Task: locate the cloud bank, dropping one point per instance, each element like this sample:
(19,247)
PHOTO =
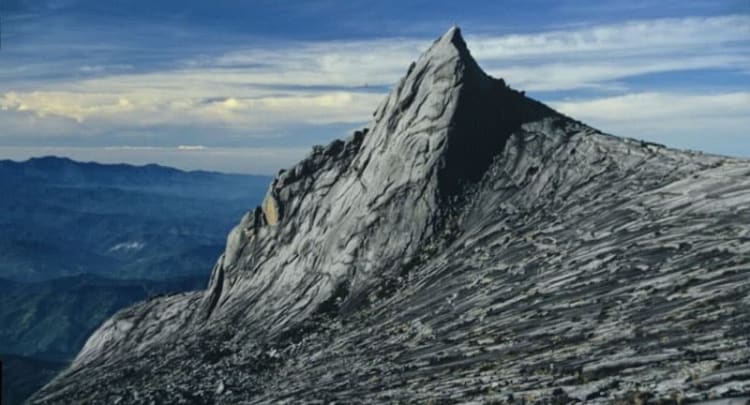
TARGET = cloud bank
(588,72)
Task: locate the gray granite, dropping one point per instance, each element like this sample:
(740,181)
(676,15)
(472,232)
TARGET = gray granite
(472,246)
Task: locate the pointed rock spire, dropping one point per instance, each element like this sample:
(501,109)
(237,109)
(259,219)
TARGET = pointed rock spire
(451,39)
(434,134)
(447,101)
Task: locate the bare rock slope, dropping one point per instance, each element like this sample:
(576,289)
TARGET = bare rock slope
(473,246)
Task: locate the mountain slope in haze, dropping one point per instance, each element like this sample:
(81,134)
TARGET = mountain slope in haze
(52,319)
(60,218)
(473,246)
(47,322)
(79,241)
(22,376)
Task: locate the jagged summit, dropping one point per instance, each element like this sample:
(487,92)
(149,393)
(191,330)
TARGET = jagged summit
(473,245)
(448,46)
(453,34)
(434,135)
(452,48)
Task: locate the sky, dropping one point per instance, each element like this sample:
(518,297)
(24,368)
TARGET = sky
(250,86)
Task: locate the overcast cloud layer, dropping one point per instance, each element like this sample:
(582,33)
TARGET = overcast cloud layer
(247,103)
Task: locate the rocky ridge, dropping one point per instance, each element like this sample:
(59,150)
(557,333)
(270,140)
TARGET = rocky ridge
(473,246)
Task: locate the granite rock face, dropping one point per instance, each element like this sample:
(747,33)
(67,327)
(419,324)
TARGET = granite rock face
(472,246)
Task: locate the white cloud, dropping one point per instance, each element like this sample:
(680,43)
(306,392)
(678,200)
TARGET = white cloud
(143,106)
(605,73)
(649,37)
(597,56)
(658,107)
(577,57)
(272,86)
(711,122)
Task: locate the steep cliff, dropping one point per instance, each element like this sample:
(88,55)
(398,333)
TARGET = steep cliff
(472,245)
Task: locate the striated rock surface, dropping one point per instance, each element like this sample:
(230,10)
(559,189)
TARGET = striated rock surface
(472,246)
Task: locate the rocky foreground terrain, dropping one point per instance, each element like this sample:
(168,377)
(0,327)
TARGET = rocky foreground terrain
(472,246)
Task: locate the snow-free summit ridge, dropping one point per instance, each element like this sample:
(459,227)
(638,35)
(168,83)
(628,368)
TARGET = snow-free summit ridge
(473,245)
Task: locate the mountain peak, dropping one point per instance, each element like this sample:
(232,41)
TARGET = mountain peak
(453,36)
(446,99)
(450,48)
(433,137)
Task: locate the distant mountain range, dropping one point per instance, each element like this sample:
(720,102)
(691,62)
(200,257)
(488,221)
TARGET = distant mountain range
(79,241)
(60,218)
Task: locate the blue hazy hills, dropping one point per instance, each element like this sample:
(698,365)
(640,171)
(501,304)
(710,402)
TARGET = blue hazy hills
(60,218)
(79,241)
